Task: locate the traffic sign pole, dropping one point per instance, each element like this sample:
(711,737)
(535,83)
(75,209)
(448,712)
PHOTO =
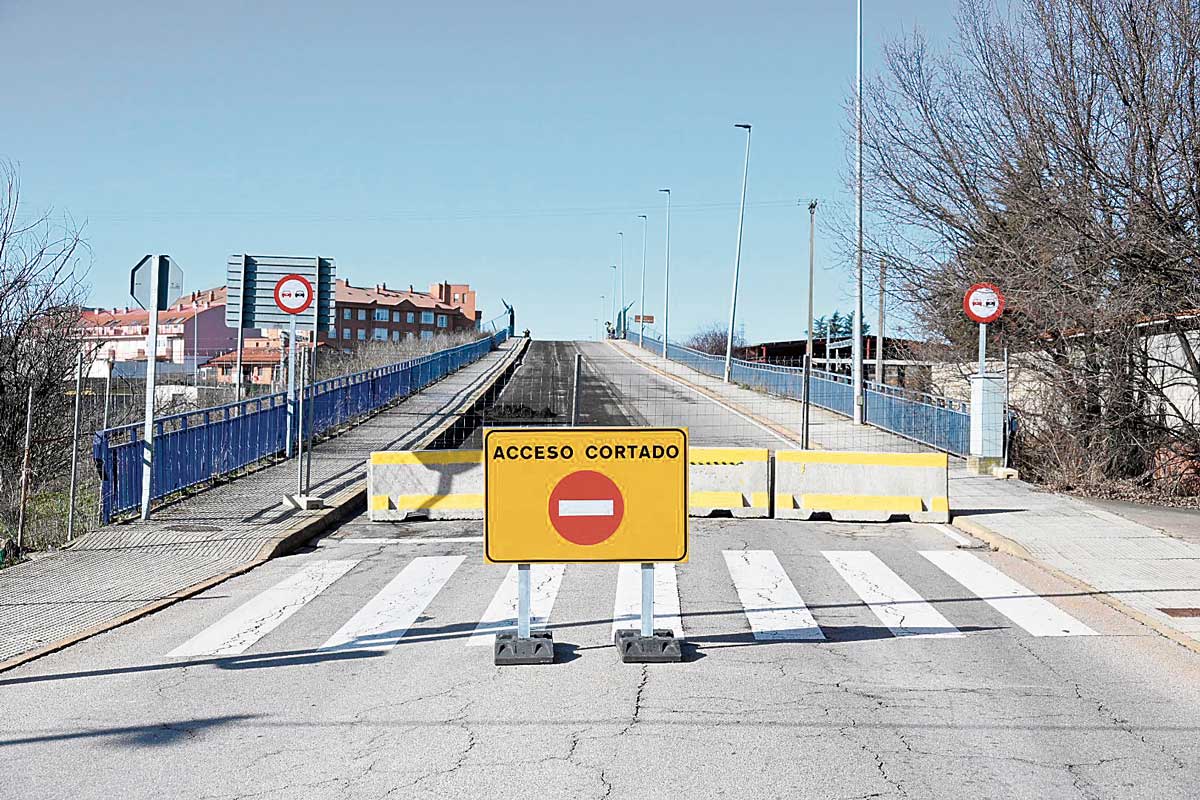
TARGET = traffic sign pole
(151,369)
(291,390)
(648,600)
(982,347)
(524,601)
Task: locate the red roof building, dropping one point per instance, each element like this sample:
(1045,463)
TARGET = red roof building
(381,314)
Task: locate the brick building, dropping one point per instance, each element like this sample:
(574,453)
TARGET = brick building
(381,314)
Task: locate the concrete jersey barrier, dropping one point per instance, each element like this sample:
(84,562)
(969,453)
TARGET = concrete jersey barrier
(862,487)
(732,479)
(430,484)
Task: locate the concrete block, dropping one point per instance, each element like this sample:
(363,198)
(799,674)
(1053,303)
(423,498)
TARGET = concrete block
(427,484)
(512,651)
(730,479)
(862,487)
(661,648)
(1005,473)
(304,502)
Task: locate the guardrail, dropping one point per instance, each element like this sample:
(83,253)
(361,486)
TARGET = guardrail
(939,422)
(198,447)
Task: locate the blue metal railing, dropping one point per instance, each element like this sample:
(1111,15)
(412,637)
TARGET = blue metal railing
(197,447)
(939,422)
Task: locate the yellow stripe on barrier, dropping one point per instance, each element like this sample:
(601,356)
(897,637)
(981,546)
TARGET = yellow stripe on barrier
(726,455)
(716,500)
(428,457)
(868,459)
(379,502)
(939,504)
(457,502)
(784,500)
(760,499)
(897,504)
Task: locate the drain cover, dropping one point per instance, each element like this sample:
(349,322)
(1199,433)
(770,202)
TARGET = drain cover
(195,528)
(1181,612)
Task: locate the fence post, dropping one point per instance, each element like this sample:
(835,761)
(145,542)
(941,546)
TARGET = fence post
(25,474)
(804,410)
(74,447)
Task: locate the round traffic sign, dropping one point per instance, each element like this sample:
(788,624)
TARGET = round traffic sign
(984,303)
(586,507)
(293,294)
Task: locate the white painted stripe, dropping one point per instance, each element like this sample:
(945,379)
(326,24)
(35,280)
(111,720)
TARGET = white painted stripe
(773,607)
(954,535)
(387,616)
(585,508)
(627,610)
(894,602)
(429,540)
(1033,613)
(501,614)
(264,612)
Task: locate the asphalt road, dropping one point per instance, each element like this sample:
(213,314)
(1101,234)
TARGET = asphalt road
(414,711)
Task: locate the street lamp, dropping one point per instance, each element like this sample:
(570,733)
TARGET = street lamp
(812,224)
(667,273)
(856,371)
(642,298)
(621,261)
(737,258)
(602,299)
(614,309)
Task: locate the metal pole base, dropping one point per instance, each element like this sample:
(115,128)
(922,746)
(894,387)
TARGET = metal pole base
(661,648)
(511,650)
(304,502)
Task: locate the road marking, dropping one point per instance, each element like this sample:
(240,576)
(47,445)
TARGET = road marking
(263,613)
(627,610)
(954,535)
(773,606)
(585,508)
(387,616)
(430,540)
(894,602)
(1035,614)
(501,614)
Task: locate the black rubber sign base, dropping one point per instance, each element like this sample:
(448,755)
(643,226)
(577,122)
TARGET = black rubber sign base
(537,649)
(661,648)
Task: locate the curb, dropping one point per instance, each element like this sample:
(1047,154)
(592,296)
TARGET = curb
(1003,544)
(350,501)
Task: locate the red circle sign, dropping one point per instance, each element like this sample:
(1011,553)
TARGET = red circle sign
(586,507)
(293,294)
(984,303)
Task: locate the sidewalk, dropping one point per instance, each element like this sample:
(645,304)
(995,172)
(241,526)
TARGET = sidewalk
(1134,567)
(121,572)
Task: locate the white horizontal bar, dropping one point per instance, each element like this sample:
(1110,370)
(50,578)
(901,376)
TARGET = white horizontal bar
(585,508)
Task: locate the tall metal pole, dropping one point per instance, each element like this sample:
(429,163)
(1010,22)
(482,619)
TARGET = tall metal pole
(737,258)
(642,298)
(614,302)
(300,418)
(812,225)
(241,333)
(602,304)
(291,387)
(151,369)
(879,340)
(575,390)
(75,446)
(621,261)
(25,459)
(667,273)
(104,426)
(856,370)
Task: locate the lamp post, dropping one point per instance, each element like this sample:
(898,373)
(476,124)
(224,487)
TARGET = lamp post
(737,258)
(812,224)
(667,273)
(856,370)
(621,271)
(642,292)
(613,267)
(602,298)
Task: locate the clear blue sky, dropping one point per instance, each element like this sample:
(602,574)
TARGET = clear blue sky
(500,144)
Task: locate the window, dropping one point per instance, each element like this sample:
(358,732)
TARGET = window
(346,314)
(395,336)
(395,316)
(346,332)
(456,296)
(362,313)
(426,317)
(362,334)
(426,334)
(381,315)
(409,335)
(410,317)
(379,334)
(443,320)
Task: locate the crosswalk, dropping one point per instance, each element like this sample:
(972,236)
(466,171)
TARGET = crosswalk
(772,608)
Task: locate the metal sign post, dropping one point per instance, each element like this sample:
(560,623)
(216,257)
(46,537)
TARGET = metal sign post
(648,600)
(293,295)
(291,389)
(984,303)
(151,369)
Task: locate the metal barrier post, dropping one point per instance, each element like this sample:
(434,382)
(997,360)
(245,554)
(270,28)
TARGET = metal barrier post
(523,601)
(804,411)
(648,600)
(575,391)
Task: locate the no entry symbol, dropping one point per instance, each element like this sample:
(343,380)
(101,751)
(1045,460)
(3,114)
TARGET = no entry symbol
(586,507)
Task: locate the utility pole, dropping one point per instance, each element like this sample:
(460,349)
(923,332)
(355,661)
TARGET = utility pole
(856,370)
(642,298)
(667,273)
(812,224)
(737,258)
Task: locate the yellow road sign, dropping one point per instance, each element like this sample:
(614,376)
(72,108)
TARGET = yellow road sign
(585,494)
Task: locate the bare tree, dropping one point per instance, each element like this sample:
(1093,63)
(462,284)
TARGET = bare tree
(40,295)
(1055,151)
(711,339)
